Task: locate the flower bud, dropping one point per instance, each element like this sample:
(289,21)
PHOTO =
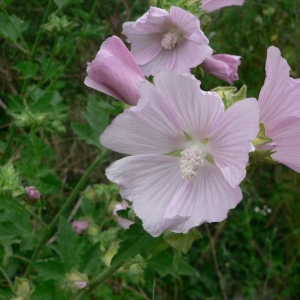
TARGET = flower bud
(22,288)
(80,226)
(222,66)
(76,281)
(115,72)
(33,194)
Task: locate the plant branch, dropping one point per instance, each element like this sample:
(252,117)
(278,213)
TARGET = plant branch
(32,214)
(213,250)
(68,202)
(6,277)
(98,280)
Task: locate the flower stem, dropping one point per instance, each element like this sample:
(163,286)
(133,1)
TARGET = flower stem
(98,280)
(37,42)
(6,277)
(31,214)
(68,202)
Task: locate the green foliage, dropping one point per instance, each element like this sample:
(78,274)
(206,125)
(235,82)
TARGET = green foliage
(98,121)
(11,26)
(138,241)
(69,246)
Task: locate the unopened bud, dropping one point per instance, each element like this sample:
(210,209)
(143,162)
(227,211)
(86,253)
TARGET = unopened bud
(33,194)
(76,281)
(80,226)
(22,288)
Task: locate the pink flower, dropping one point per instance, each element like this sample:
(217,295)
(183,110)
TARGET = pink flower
(123,222)
(115,72)
(223,66)
(211,5)
(33,193)
(279,103)
(167,41)
(188,157)
(80,226)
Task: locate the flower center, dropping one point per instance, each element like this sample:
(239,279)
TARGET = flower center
(191,160)
(169,40)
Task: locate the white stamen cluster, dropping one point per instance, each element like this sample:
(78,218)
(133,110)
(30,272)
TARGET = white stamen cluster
(191,160)
(169,40)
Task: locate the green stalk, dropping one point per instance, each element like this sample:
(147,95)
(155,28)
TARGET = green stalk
(32,214)
(6,277)
(9,141)
(98,280)
(19,34)
(37,42)
(68,202)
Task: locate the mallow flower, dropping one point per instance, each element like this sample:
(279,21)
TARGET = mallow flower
(188,154)
(115,72)
(279,103)
(167,41)
(223,66)
(211,5)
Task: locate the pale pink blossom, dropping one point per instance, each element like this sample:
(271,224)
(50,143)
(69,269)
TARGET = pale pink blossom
(80,226)
(211,5)
(33,194)
(115,72)
(188,153)
(167,41)
(123,222)
(223,66)
(279,103)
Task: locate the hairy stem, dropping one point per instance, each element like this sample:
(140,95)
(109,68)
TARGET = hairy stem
(68,202)
(98,280)
(32,214)
(37,41)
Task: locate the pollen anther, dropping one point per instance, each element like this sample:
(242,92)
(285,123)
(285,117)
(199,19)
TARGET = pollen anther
(169,40)
(191,159)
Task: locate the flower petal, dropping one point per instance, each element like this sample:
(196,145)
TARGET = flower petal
(205,198)
(149,182)
(286,135)
(150,127)
(279,97)
(230,146)
(211,5)
(198,111)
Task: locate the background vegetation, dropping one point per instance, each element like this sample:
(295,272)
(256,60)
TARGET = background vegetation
(48,118)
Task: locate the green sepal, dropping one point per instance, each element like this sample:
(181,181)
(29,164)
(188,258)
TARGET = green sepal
(230,95)
(182,241)
(261,138)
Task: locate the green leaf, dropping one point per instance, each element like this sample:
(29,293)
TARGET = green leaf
(50,269)
(182,241)
(29,69)
(69,246)
(91,260)
(7,30)
(7,2)
(98,121)
(29,241)
(162,263)
(138,241)
(61,3)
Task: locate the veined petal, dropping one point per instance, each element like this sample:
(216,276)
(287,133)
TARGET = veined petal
(150,127)
(211,5)
(286,135)
(163,61)
(149,182)
(279,96)
(192,54)
(198,111)
(144,47)
(206,198)
(230,146)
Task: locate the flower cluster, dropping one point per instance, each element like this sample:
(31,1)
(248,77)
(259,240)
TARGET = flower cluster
(188,152)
